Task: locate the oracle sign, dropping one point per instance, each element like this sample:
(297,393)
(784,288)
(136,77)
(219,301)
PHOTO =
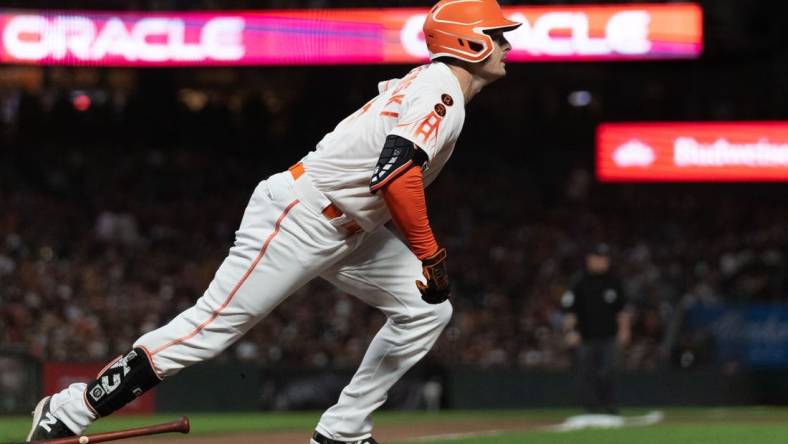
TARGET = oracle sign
(696,152)
(394,35)
(33,37)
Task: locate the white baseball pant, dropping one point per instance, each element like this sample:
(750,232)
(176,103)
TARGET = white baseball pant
(285,241)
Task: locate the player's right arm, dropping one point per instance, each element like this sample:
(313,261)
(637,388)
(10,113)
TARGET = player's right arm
(428,120)
(398,177)
(623,317)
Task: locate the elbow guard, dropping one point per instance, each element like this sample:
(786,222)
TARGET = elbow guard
(397,156)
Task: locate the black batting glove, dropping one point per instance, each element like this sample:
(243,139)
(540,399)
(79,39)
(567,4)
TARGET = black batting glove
(437,288)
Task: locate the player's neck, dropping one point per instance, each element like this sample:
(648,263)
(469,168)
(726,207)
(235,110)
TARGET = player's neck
(469,83)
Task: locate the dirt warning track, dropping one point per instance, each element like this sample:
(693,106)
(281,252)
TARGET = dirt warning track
(386,434)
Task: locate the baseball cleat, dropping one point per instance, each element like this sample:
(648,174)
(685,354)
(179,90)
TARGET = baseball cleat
(318,438)
(45,425)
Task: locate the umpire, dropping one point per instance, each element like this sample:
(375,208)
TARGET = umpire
(596,320)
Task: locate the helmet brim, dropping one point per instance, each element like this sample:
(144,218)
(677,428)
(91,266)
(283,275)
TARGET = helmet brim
(503,24)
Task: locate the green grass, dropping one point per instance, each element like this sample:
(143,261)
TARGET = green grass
(664,434)
(745,425)
(741,425)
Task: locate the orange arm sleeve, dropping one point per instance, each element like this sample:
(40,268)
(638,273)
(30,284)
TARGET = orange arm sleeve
(404,197)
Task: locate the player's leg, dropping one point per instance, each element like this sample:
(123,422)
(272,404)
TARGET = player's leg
(279,247)
(597,373)
(605,383)
(586,376)
(382,272)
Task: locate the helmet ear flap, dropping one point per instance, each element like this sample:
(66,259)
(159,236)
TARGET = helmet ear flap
(475,46)
(472,45)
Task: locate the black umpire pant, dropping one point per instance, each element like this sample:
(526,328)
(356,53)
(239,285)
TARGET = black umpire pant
(595,375)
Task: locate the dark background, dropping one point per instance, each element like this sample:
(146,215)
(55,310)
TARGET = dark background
(114,219)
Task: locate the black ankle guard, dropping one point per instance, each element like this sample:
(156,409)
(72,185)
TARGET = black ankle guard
(125,379)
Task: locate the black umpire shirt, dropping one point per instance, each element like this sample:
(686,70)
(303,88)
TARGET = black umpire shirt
(596,300)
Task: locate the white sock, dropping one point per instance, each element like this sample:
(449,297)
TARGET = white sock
(69,407)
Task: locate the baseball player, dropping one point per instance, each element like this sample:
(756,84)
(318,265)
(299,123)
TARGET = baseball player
(325,217)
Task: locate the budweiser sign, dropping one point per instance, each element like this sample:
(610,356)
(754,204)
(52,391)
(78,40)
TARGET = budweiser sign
(394,35)
(688,152)
(659,152)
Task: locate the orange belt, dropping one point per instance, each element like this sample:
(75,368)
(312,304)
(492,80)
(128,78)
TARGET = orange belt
(330,212)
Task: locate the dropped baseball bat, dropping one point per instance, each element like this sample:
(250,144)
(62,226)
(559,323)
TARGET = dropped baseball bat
(181,425)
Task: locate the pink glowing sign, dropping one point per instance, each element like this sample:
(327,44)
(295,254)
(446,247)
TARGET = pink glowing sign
(292,37)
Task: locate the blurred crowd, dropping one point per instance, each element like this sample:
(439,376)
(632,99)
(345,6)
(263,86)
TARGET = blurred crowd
(112,222)
(81,280)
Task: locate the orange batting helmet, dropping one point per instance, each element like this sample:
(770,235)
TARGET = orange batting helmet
(456,28)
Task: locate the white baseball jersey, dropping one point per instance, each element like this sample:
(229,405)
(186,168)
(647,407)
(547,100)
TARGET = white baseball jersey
(426,107)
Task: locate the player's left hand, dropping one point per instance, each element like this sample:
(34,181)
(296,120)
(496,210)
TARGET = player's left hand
(572,339)
(437,288)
